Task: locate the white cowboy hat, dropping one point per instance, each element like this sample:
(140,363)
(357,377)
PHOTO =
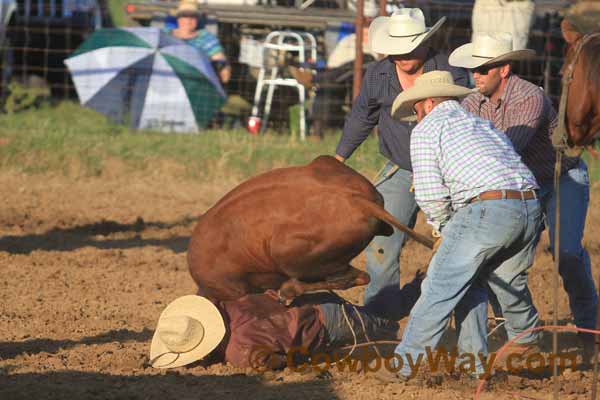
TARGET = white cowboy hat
(188,329)
(401,32)
(488,49)
(431,84)
(187,8)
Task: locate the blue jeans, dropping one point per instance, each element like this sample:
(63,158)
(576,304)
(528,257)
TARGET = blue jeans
(340,334)
(575,266)
(383,253)
(485,243)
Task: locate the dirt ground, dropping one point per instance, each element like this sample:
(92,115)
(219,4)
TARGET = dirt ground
(88,265)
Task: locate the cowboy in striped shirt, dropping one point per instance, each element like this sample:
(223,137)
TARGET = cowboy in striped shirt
(522,110)
(473,187)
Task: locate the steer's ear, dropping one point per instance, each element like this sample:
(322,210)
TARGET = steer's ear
(569,32)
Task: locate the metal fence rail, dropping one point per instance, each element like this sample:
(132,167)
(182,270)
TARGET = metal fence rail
(39,48)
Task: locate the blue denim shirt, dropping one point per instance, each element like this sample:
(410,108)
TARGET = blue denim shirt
(373,105)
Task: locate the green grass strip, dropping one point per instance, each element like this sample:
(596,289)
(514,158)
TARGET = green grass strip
(76,141)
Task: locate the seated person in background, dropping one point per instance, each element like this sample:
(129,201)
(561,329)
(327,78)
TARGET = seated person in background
(258,331)
(187,15)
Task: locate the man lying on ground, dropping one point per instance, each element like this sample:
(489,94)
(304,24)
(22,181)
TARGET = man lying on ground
(258,331)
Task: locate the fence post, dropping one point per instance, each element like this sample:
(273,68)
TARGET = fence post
(358,60)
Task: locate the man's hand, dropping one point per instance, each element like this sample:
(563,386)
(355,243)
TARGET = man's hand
(436,244)
(339,158)
(438,236)
(225,74)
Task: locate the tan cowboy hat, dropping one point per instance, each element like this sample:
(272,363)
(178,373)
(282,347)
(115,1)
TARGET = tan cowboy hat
(488,49)
(400,33)
(187,8)
(431,84)
(188,329)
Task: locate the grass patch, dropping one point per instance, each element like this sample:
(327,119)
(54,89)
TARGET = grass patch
(76,141)
(593,166)
(118,16)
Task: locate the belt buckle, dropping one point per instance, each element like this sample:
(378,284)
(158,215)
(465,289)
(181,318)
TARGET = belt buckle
(503,194)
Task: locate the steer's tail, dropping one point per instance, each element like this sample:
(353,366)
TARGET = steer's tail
(381,214)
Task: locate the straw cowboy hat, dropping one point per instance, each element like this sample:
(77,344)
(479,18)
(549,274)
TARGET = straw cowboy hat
(187,8)
(400,33)
(488,49)
(188,329)
(431,84)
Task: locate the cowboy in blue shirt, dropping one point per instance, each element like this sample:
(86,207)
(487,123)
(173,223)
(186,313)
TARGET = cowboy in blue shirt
(402,37)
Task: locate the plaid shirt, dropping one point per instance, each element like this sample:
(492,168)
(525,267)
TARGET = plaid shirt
(457,156)
(526,115)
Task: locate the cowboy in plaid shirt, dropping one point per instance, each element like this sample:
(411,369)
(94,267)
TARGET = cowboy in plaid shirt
(522,110)
(472,186)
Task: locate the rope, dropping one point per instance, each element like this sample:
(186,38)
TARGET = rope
(364,328)
(372,343)
(559,134)
(595,372)
(497,326)
(355,344)
(555,282)
(351,330)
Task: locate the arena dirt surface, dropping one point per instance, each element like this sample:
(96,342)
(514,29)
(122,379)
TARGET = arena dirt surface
(88,265)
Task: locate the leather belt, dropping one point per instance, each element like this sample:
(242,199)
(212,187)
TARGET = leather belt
(505,194)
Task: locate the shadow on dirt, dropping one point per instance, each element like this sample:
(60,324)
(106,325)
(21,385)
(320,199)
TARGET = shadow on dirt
(69,239)
(12,349)
(171,385)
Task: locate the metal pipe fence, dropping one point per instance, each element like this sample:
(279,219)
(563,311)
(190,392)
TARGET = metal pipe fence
(39,46)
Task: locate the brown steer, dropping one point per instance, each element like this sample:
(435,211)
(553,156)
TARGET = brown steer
(295,229)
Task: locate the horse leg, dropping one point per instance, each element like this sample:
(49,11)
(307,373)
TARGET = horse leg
(349,278)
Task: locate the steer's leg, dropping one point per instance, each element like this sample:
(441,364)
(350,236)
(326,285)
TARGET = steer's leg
(347,279)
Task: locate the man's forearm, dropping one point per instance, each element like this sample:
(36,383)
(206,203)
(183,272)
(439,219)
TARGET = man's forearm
(350,141)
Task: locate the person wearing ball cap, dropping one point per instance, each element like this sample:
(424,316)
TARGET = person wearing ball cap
(258,331)
(405,40)
(525,114)
(474,189)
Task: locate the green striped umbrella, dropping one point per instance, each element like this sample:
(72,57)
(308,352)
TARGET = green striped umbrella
(147,76)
